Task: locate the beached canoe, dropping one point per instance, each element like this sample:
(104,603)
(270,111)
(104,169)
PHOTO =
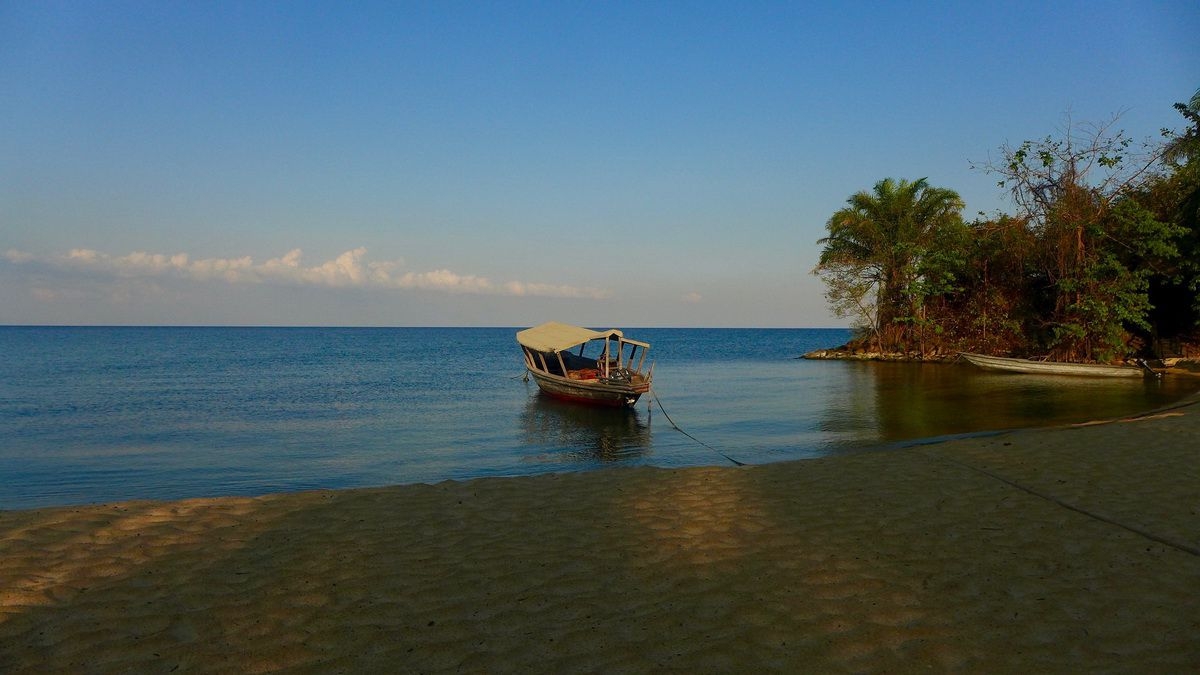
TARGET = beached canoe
(1051,367)
(613,377)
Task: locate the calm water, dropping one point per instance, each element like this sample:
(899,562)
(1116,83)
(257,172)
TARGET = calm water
(104,414)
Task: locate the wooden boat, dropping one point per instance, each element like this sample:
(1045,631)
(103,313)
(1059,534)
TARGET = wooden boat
(1051,367)
(612,377)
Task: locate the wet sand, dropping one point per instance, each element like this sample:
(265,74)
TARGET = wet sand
(1066,550)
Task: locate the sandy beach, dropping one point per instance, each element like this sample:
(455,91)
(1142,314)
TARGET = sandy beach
(1059,550)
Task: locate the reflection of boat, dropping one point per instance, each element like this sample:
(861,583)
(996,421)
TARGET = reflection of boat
(613,377)
(561,431)
(1051,367)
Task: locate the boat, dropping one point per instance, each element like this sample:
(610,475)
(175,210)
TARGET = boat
(1051,367)
(613,376)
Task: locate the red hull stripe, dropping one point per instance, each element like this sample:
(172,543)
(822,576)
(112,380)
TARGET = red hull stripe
(606,403)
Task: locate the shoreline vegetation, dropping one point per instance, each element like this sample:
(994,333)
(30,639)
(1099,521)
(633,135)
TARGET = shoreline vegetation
(858,352)
(1098,263)
(1054,550)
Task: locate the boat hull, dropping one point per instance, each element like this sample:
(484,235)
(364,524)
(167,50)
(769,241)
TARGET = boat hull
(1050,367)
(591,392)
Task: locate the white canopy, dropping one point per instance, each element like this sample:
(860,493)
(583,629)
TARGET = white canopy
(556,337)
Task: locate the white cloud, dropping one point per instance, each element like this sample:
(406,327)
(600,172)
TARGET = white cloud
(693,298)
(445,280)
(348,270)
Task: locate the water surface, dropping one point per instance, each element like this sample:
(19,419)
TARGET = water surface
(104,414)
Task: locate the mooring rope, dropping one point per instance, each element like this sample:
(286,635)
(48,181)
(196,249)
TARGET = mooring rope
(1155,373)
(1142,532)
(654,395)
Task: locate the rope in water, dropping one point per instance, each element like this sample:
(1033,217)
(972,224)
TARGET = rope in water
(654,395)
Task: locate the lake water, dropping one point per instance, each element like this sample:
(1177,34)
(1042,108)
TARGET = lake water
(103,414)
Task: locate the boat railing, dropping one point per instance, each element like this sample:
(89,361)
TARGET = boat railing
(615,363)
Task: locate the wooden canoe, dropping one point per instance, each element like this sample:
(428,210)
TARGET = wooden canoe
(1051,367)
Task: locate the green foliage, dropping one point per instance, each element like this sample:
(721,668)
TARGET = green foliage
(1103,251)
(1095,247)
(881,244)
(1174,198)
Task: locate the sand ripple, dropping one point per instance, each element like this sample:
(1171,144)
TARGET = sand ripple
(1065,550)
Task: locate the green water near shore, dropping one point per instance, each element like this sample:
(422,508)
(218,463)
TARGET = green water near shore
(910,400)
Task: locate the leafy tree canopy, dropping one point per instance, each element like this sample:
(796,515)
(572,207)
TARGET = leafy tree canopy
(1103,250)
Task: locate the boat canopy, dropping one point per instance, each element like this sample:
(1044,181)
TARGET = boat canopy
(553,337)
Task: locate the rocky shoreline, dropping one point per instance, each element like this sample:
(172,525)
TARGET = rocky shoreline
(845,353)
(1171,366)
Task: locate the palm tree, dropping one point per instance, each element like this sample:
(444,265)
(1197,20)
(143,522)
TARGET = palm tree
(1186,147)
(1183,151)
(880,239)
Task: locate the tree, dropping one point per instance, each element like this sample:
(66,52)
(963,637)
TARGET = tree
(883,244)
(1184,155)
(1175,198)
(988,309)
(1096,244)
(1185,148)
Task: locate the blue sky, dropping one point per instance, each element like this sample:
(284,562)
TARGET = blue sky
(628,164)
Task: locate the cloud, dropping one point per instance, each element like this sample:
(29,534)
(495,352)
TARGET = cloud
(351,269)
(693,298)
